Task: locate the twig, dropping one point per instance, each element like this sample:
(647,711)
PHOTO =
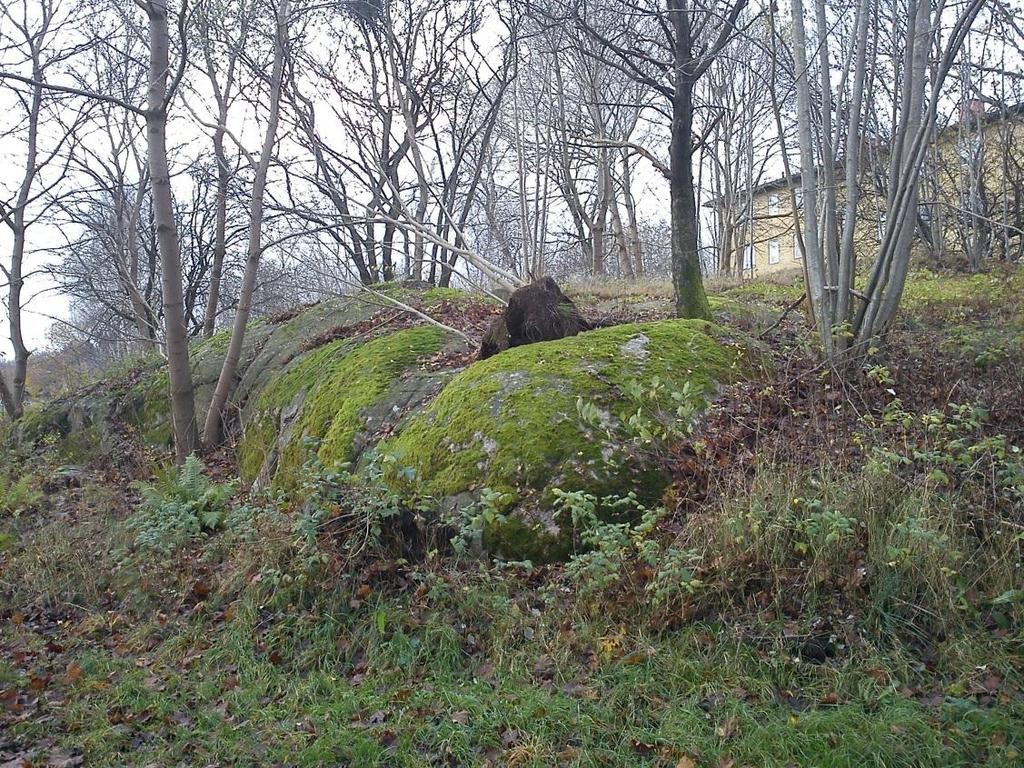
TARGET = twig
(421,315)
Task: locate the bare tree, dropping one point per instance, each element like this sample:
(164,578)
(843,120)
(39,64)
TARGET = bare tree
(668,47)
(222,34)
(845,325)
(31,36)
(213,429)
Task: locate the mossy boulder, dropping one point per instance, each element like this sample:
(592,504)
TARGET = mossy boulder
(337,399)
(512,423)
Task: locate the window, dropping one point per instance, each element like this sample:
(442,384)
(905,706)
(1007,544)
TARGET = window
(798,252)
(881,227)
(773,205)
(774,256)
(799,194)
(748,258)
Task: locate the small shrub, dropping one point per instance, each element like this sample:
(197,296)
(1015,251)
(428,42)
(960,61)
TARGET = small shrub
(339,520)
(180,507)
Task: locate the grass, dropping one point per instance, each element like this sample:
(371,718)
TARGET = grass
(484,671)
(241,649)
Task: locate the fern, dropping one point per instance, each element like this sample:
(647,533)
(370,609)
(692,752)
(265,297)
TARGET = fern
(180,507)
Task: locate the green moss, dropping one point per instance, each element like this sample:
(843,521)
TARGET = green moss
(341,382)
(510,422)
(42,422)
(332,411)
(216,345)
(147,407)
(261,429)
(437,295)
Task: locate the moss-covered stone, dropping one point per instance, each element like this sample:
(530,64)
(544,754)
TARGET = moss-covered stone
(329,397)
(511,423)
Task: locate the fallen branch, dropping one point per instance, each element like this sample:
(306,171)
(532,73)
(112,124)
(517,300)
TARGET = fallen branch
(412,310)
(783,316)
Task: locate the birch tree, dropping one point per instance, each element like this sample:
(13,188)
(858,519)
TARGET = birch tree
(162,87)
(850,320)
(46,127)
(222,34)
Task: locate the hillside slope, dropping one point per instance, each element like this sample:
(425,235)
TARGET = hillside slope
(786,568)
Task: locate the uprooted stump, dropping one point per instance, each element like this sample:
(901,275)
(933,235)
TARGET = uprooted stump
(536,312)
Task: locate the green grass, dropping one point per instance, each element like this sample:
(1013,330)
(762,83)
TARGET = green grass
(479,673)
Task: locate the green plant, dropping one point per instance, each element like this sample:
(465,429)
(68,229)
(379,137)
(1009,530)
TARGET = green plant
(820,527)
(951,450)
(180,506)
(340,517)
(472,521)
(652,413)
(19,496)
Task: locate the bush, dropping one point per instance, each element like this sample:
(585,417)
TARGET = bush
(180,507)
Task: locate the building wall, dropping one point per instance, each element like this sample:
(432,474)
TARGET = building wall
(772,246)
(775,246)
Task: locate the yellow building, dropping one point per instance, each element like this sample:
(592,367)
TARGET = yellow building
(971,204)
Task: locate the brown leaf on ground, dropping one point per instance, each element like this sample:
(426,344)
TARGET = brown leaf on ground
(510,737)
(73,673)
(728,729)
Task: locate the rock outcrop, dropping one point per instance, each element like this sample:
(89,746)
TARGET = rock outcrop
(349,377)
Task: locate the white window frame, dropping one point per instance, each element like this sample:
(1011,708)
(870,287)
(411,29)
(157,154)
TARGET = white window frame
(774,252)
(798,253)
(773,205)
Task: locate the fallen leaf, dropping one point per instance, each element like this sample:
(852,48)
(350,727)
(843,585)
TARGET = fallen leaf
(74,673)
(39,682)
(728,729)
(201,589)
(686,762)
(510,737)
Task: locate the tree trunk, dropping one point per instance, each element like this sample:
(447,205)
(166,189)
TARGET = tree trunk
(635,246)
(186,435)
(13,394)
(213,429)
(813,262)
(687,281)
(220,229)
